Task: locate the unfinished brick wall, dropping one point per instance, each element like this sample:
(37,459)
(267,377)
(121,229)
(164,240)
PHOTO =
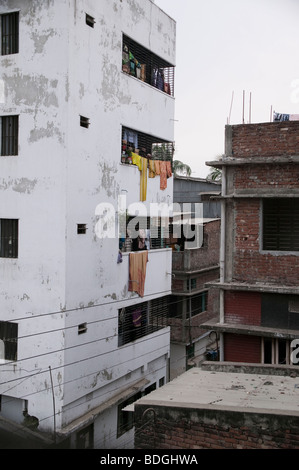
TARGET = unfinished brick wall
(266,139)
(243,308)
(250,263)
(178,428)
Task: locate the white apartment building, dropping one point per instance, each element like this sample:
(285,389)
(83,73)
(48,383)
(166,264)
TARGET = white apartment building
(86,98)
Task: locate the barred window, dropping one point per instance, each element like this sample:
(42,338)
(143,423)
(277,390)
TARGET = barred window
(9,129)
(10,33)
(144,233)
(9,238)
(141,319)
(9,337)
(141,63)
(144,145)
(281,224)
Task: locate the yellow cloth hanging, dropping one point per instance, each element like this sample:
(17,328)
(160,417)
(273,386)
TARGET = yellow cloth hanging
(143,179)
(151,169)
(136,160)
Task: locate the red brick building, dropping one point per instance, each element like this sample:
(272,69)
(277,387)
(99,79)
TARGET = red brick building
(259,254)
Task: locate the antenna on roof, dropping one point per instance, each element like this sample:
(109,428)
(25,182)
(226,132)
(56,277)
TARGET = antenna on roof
(250,108)
(230,110)
(243,106)
(271,113)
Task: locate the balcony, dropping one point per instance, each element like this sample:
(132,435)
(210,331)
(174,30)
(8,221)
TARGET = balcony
(146,66)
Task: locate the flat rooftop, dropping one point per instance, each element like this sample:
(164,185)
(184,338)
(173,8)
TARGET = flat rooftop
(235,391)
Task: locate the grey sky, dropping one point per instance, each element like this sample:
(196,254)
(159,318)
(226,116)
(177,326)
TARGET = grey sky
(225,47)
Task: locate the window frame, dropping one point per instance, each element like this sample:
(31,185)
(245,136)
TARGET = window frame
(145,65)
(9,336)
(267,219)
(9,135)
(13,238)
(12,43)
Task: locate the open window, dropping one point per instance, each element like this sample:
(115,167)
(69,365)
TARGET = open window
(143,64)
(9,33)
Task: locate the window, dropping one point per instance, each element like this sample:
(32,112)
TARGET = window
(90,21)
(281,224)
(191,284)
(84,438)
(84,122)
(144,145)
(146,66)
(82,328)
(140,320)
(8,338)
(144,234)
(9,127)
(81,228)
(10,33)
(276,351)
(125,419)
(9,238)
(279,311)
(199,303)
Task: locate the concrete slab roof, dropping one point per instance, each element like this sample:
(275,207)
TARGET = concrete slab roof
(238,391)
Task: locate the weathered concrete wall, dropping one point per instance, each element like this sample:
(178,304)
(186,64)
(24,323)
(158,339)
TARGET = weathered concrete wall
(62,172)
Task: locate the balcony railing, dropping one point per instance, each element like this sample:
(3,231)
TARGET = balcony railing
(145,145)
(141,63)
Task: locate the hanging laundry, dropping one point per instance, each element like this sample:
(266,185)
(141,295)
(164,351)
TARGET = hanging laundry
(294,117)
(281,117)
(137,317)
(163,175)
(131,136)
(137,272)
(136,160)
(157,167)
(143,179)
(151,169)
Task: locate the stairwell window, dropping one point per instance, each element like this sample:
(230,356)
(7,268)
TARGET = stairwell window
(9,130)
(9,33)
(9,235)
(281,224)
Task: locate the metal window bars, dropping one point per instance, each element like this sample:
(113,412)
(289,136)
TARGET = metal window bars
(9,126)
(143,64)
(144,145)
(9,238)
(10,33)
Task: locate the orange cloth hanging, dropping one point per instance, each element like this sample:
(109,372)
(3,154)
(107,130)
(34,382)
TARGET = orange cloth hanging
(157,167)
(163,175)
(137,271)
(151,169)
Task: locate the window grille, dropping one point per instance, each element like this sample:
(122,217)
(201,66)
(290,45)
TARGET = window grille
(144,145)
(9,335)
(9,135)
(140,320)
(9,238)
(143,64)
(154,229)
(199,303)
(10,33)
(281,224)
